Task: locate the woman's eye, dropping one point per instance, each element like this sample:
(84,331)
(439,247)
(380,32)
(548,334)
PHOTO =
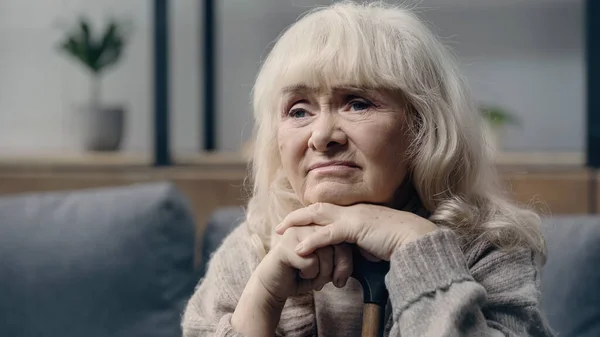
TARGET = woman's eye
(297,113)
(359,105)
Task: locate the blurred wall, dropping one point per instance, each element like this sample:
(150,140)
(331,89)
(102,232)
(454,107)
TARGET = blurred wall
(40,88)
(530,60)
(525,55)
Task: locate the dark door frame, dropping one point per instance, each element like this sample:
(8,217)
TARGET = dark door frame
(162,155)
(208,51)
(592,30)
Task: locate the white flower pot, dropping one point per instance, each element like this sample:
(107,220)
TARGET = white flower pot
(102,127)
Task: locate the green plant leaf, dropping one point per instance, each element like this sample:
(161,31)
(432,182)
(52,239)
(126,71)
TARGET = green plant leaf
(497,117)
(87,44)
(110,47)
(71,47)
(96,55)
(75,49)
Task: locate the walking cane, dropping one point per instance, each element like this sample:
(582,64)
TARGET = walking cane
(371,276)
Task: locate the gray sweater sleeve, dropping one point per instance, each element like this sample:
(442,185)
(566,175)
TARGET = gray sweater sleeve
(434,293)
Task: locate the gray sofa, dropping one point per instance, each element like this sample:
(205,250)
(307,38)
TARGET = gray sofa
(119,262)
(102,262)
(570,280)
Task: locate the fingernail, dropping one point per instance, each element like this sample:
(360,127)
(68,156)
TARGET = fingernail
(300,247)
(344,281)
(337,282)
(278,227)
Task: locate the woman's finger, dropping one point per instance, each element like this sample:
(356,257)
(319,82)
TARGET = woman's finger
(343,266)
(325,236)
(316,214)
(325,256)
(308,266)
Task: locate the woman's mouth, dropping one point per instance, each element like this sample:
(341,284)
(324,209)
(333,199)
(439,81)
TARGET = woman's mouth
(333,167)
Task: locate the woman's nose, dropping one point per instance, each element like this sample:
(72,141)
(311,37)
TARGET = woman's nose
(326,134)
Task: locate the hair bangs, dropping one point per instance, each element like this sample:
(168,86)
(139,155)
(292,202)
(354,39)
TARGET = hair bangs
(330,50)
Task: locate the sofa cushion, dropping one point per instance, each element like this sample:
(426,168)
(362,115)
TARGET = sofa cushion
(98,262)
(571,277)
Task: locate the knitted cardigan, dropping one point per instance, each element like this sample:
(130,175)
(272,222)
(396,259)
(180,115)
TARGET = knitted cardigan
(435,289)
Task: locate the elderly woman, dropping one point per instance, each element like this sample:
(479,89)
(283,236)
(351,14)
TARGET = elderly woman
(367,139)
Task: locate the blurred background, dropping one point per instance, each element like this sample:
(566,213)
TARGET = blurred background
(114,111)
(161,86)
(524,56)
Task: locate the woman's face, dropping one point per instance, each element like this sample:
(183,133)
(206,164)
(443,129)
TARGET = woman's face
(344,145)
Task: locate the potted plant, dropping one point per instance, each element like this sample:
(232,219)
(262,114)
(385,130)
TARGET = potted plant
(496,120)
(102,124)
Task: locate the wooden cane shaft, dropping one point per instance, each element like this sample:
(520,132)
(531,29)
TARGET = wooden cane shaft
(372,320)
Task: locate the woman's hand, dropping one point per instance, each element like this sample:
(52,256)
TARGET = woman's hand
(284,273)
(378,230)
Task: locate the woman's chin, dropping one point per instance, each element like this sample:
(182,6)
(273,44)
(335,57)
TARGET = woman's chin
(336,197)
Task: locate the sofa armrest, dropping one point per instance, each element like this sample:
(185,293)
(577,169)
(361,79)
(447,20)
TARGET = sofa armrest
(98,262)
